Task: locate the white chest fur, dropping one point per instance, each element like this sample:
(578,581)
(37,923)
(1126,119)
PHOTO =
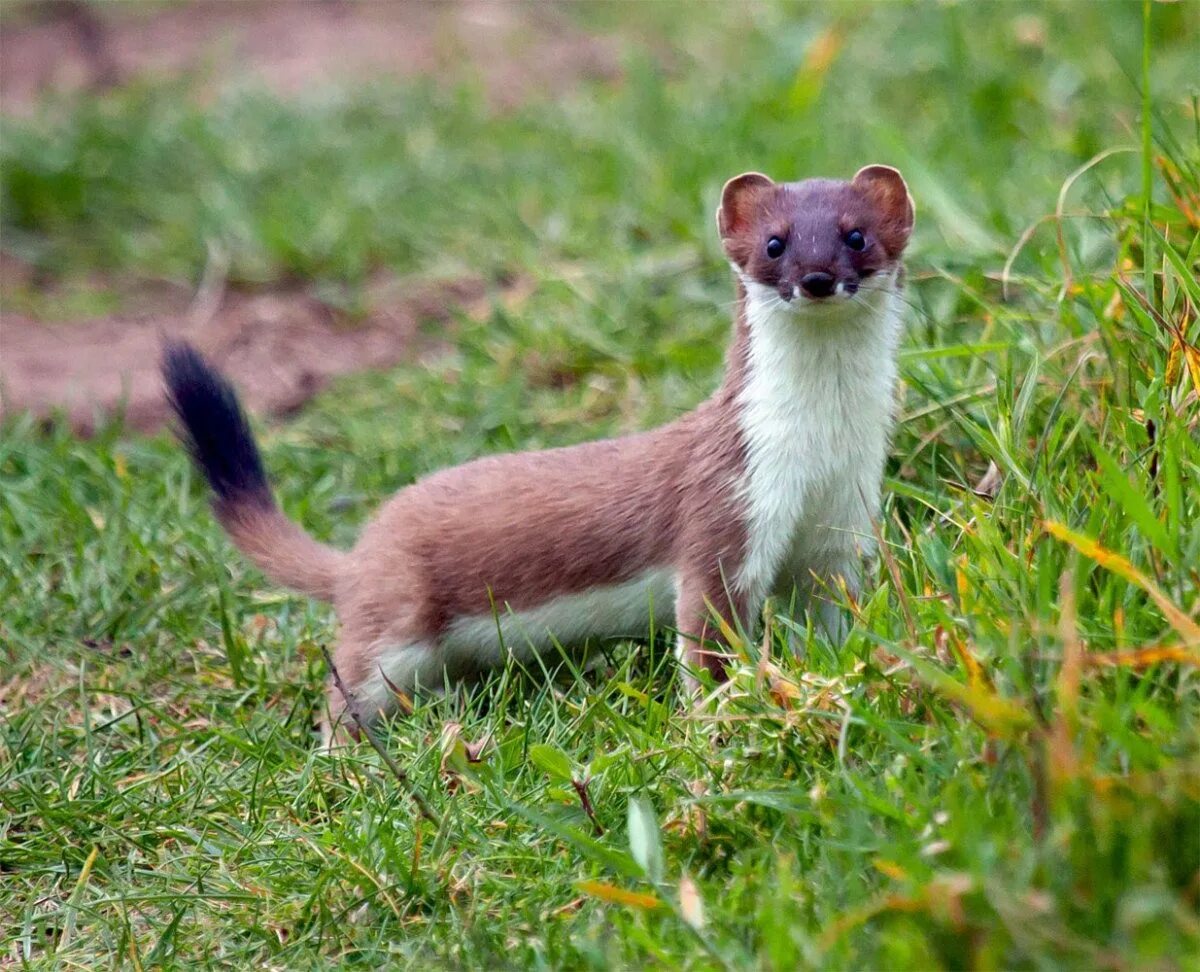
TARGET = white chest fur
(816,413)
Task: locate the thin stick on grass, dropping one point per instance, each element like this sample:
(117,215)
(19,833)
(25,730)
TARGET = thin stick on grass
(397,770)
(585,801)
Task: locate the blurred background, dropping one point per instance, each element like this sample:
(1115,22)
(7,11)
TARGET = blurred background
(309,189)
(418,233)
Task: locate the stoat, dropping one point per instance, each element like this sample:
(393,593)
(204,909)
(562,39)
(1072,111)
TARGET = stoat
(769,486)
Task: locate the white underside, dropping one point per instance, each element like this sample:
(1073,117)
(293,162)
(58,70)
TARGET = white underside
(621,610)
(483,642)
(816,412)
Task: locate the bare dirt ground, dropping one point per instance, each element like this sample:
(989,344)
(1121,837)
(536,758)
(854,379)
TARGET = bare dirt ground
(281,346)
(517,49)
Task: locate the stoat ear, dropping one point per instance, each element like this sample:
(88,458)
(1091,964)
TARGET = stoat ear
(737,202)
(886,189)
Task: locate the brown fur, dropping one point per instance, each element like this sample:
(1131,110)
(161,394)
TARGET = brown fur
(281,548)
(516,531)
(753,209)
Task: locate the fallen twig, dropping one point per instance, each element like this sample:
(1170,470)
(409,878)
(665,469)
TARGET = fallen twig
(402,777)
(585,801)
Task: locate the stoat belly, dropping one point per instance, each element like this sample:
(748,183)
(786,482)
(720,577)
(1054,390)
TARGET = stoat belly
(628,609)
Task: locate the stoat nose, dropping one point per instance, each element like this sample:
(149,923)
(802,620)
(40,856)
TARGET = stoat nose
(817,284)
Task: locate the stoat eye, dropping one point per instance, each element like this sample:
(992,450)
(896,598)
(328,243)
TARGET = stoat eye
(774,247)
(855,240)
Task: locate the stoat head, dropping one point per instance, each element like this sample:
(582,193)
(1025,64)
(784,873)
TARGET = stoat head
(818,241)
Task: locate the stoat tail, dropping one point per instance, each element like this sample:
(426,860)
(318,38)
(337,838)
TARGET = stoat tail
(218,436)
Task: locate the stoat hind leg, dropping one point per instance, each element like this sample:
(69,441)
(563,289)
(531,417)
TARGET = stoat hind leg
(703,597)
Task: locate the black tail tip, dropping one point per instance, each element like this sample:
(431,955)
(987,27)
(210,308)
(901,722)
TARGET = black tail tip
(214,426)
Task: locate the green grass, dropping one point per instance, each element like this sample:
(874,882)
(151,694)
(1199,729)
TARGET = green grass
(963,783)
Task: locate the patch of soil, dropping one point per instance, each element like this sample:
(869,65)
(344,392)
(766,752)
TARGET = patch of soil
(280,348)
(516,50)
